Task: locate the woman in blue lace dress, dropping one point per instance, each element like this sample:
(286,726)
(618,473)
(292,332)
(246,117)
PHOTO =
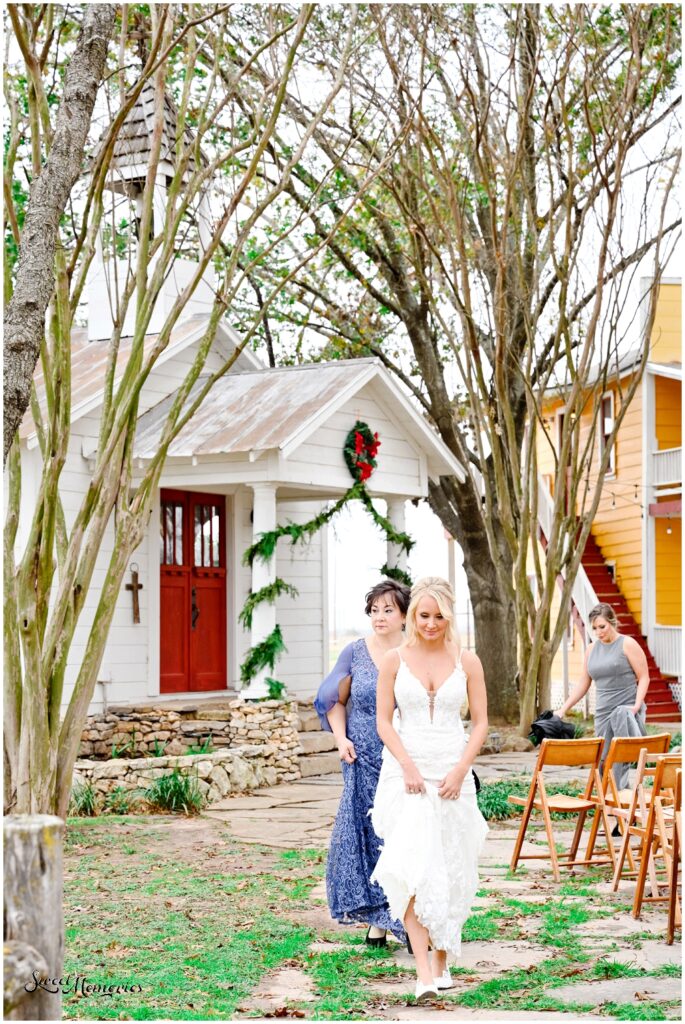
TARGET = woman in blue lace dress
(346,704)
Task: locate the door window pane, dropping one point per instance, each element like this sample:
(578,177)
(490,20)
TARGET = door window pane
(171,534)
(206,536)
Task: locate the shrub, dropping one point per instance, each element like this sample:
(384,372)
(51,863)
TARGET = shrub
(175,792)
(493,797)
(84,800)
(120,801)
(676,741)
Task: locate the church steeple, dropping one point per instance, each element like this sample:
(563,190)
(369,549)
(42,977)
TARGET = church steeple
(126,177)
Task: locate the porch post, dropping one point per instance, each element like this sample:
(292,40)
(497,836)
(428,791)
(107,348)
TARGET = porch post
(263,573)
(396,556)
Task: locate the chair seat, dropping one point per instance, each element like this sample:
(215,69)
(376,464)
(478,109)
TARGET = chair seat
(559,802)
(625,797)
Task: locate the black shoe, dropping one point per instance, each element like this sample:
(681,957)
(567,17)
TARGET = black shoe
(379,942)
(616,832)
(411,951)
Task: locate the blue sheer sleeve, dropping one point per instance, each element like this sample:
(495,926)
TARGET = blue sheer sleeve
(327,697)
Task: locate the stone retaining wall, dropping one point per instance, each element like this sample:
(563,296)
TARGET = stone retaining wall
(225,771)
(155,730)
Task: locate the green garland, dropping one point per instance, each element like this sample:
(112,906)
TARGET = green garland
(360,459)
(393,573)
(263,655)
(268,593)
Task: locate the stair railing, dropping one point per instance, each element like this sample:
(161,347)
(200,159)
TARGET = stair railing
(583,595)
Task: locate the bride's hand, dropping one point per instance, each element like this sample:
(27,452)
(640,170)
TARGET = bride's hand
(347,751)
(450,787)
(413,781)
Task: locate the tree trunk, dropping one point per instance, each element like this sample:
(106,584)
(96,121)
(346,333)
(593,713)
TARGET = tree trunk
(25,315)
(494,616)
(494,612)
(33,915)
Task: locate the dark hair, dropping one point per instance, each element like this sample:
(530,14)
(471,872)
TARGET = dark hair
(398,591)
(604,611)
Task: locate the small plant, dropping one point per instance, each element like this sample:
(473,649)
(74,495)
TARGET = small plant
(202,748)
(276,688)
(84,800)
(175,792)
(676,741)
(119,801)
(158,748)
(121,751)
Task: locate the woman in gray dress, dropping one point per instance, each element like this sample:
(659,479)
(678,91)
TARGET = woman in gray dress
(618,667)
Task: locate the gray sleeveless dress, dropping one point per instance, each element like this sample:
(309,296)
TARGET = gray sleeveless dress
(616,689)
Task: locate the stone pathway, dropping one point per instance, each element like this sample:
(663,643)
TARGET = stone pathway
(300,815)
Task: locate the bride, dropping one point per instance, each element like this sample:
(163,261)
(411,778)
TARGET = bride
(425,809)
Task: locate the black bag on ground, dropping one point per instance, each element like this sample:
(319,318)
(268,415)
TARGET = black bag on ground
(550,727)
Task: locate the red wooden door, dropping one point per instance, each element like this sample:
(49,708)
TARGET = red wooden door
(193,592)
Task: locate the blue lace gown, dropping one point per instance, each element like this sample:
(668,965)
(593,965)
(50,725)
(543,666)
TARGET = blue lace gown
(354,848)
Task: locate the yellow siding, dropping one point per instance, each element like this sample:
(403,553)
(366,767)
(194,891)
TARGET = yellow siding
(617,527)
(668,571)
(667,331)
(668,412)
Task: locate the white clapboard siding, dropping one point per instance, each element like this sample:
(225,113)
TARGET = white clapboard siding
(401,468)
(169,376)
(301,618)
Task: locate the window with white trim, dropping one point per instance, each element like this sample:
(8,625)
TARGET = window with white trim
(606,415)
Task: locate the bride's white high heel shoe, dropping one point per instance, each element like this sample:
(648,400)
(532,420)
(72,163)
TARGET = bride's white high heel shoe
(444,981)
(424,993)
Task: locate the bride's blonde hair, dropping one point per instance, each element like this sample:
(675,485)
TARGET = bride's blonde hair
(443,595)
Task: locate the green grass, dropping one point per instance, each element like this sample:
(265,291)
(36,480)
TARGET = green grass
(641,1011)
(341,978)
(199,922)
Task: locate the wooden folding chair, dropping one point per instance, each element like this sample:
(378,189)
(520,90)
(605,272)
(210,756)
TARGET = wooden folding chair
(623,750)
(634,817)
(567,753)
(674,909)
(644,824)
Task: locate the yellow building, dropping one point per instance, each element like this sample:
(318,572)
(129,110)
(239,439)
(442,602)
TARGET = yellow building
(633,557)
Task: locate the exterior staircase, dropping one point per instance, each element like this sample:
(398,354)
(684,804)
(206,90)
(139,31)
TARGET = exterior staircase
(320,753)
(661,706)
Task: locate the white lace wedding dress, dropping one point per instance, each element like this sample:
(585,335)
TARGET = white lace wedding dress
(430,845)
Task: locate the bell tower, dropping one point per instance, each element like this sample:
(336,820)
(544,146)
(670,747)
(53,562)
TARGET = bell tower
(117,243)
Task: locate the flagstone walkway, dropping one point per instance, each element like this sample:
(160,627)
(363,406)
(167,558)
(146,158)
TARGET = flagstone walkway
(300,816)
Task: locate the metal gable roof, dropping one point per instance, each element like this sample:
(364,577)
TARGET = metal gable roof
(89,364)
(278,408)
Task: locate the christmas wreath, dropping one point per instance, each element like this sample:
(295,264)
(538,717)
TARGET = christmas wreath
(360,450)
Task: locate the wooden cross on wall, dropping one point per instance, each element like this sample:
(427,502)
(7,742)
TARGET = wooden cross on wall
(134,586)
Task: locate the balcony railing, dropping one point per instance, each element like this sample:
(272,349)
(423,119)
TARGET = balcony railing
(666,648)
(667,467)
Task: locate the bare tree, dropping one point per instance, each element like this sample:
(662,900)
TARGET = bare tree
(535,174)
(48,580)
(52,184)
